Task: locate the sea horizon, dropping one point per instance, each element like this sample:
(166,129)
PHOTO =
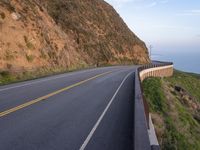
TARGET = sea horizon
(185,61)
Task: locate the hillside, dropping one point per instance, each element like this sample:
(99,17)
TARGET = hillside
(175,107)
(63,35)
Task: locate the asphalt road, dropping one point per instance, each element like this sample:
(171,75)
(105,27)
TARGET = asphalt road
(89,109)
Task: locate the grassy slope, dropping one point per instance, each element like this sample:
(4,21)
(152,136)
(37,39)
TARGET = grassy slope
(173,118)
(189,81)
(7,77)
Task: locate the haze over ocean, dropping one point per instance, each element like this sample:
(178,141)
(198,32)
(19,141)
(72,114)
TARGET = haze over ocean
(187,61)
(171,27)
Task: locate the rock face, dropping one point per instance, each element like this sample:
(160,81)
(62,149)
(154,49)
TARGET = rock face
(65,33)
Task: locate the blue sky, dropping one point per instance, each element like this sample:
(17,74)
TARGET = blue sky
(167,25)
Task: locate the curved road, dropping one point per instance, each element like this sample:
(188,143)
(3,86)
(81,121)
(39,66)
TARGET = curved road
(89,109)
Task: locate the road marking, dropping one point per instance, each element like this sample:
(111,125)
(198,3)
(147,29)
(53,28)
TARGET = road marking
(49,95)
(42,80)
(102,115)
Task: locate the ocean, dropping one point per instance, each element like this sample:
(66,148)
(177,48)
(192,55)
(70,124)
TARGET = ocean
(184,61)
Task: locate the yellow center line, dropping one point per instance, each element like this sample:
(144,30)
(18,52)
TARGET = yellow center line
(6,112)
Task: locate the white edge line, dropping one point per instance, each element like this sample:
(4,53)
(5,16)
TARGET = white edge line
(102,115)
(42,80)
(30,83)
(48,78)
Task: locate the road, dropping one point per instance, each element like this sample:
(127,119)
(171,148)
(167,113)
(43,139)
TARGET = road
(90,109)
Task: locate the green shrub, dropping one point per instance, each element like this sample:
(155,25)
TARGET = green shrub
(4,73)
(28,43)
(43,55)
(9,55)
(2,15)
(9,66)
(6,77)
(154,94)
(30,58)
(25,39)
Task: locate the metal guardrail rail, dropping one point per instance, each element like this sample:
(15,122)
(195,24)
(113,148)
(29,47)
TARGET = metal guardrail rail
(141,110)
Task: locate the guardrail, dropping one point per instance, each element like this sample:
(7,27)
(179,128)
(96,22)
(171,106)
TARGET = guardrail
(144,134)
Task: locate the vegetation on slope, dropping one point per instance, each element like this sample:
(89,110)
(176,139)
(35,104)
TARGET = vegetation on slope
(175,106)
(98,30)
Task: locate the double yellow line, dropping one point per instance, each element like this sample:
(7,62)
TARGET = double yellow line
(4,113)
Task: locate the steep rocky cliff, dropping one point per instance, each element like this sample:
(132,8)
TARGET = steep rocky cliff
(66,34)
